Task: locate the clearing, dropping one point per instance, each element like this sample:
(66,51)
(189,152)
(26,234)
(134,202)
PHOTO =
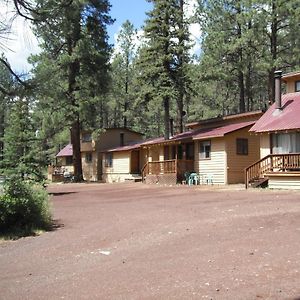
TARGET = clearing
(136,241)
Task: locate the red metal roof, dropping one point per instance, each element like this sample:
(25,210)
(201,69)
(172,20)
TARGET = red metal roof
(66,151)
(287,118)
(220,131)
(132,146)
(191,134)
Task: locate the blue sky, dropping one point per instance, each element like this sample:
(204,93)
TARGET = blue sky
(132,10)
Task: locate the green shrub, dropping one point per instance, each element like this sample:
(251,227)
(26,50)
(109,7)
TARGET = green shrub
(23,207)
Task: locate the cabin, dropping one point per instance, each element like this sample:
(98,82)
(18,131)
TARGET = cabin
(63,165)
(217,150)
(279,133)
(92,152)
(93,161)
(122,163)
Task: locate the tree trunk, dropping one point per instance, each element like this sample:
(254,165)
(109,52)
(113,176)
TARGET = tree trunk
(75,140)
(167,117)
(242,92)
(273,48)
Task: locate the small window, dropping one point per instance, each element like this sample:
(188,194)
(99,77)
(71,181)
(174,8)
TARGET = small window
(69,160)
(297,86)
(204,150)
(108,160)
(86,137)
(88,157)
(122,139)
(242,146)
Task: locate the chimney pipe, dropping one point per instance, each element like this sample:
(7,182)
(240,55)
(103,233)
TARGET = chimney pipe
(277,76)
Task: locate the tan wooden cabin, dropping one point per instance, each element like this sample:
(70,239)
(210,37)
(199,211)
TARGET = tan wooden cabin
(122,163)
(279,133)
(216,149)
(93,160)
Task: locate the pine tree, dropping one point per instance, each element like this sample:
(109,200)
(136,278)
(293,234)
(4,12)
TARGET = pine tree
(71,70)
(22,155)
(163,57)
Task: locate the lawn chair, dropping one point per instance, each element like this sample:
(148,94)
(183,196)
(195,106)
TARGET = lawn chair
(193,179)
(208,179)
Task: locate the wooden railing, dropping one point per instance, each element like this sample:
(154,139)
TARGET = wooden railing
(279,162)
(174,166)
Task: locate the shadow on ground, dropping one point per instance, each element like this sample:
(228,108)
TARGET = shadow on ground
(17,233)
(61,193)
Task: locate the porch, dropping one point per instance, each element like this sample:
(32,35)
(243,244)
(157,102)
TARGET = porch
(166,171)
(274,167)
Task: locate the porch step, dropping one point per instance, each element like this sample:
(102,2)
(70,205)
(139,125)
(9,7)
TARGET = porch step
(134,178)
(261,182)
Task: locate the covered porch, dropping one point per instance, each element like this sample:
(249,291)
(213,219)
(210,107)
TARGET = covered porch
(168,163)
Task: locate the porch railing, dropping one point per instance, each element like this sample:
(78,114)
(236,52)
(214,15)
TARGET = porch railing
(272,162)
(172,166)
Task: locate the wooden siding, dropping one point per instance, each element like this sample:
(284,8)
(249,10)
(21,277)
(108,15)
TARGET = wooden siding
(216,165)
(154,153)
(89,169)
(108,139)
(120,165)
(284,181)
(265,145)
(111,138)
(290,86)
(236,163)
(120,170)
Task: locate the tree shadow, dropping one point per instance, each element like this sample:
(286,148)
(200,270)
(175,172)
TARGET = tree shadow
(55,225)
(16,233)
(61,193)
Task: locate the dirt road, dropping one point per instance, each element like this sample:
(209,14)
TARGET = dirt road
(133,241)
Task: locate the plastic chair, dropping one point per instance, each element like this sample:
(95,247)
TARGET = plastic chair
(193,178)
(209,179)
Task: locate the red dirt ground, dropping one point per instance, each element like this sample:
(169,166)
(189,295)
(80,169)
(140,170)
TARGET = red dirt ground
(162,243)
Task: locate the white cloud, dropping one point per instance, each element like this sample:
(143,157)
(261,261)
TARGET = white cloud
(194,29)
(21,42)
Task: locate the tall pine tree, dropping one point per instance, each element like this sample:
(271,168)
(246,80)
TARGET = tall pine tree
(163,57)
(71,70)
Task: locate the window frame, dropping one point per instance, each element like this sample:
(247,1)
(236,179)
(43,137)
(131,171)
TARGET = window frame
(86,137)
(88,157)
(108,160)
(242,146)
(69,160)
(297,89)
(208,143)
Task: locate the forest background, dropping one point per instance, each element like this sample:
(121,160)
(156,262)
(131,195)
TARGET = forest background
(78,81)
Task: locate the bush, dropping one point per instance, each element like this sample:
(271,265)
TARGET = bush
(23,208)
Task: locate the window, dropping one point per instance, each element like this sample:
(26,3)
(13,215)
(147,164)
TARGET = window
(88,157)
(121,139)
(108,160)
(285,143)
(204,150)
(69,160)
(297,86)
(86,137)
(242,146)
